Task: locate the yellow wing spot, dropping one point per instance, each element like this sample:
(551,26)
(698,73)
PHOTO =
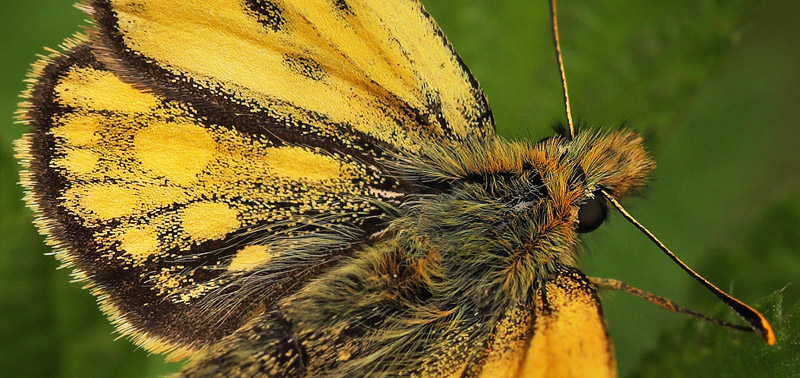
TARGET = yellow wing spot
(140,243)
(79,162)
(102,202)
(168,280)
(102,90)
(209,220)
(78,130)
(299,163)
(106,201)
(178,151)
(198,291)
(250,257)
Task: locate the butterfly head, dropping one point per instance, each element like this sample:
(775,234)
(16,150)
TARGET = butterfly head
(615,162)
(612,161)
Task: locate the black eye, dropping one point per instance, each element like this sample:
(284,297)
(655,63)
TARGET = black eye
(592,214)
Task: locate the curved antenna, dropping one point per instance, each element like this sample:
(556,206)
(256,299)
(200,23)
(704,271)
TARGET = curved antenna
(756,321)
(554,20)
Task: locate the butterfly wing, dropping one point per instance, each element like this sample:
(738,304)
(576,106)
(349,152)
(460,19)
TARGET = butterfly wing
(560,333)
(196,142)
(161,205)
(357,73)
(154,204)
(569,334)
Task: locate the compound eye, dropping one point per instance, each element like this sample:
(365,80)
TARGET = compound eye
(591,214)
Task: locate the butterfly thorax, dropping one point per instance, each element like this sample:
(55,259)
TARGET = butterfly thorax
(503,215)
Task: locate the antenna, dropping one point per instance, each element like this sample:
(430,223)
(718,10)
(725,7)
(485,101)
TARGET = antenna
(554,20)
(757,321)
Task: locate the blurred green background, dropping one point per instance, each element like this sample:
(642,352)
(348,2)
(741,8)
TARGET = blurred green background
(713,85)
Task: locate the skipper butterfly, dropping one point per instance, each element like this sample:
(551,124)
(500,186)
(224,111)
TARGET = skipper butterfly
(315,188)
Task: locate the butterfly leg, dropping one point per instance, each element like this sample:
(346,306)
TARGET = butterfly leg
(612,284)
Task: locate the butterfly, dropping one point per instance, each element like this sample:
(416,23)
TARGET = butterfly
(315,188)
